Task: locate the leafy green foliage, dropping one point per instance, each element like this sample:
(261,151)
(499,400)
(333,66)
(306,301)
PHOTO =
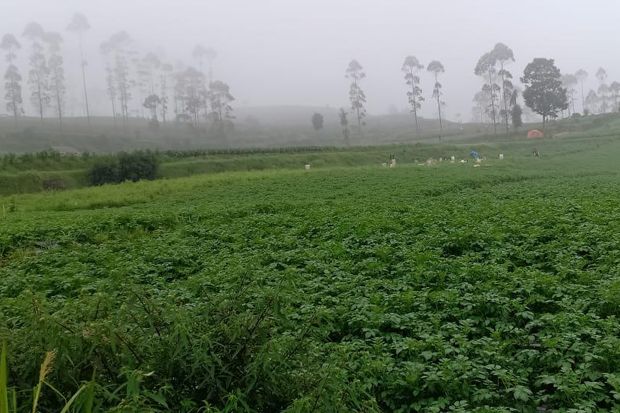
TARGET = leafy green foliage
(133,167)
(103,173)
(543,92)
(413,289)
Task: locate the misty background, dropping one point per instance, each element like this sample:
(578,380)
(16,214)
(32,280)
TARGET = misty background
(283,52)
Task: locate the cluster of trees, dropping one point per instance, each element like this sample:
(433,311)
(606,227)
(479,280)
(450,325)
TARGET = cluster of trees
(604,100)
(144,85)
(45,76)
(496,102)
(547,92)
(411,68)
(497,99)
(137,84)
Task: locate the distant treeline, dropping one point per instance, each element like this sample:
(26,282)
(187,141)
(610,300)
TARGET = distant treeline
(137,84)
(142,84)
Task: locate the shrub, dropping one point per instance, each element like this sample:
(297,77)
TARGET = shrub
(104,173)
(137,165)
(133,167)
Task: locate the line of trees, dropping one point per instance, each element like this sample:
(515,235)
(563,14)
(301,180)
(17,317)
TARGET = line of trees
(547,92)
(605,99)
(144,85)
(497,99)
(137,85)
(411,68)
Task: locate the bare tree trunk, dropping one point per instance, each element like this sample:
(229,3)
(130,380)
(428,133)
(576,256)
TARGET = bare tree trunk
(492,102)
(504,99)
(415,104)
(83,65)
(357,109)
(40,96)
(438,107)
(583,102)
(13,96)
(59,106)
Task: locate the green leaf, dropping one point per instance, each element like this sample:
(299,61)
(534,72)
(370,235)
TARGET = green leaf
(521,393)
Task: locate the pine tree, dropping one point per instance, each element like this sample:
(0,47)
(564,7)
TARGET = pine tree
(38,75)
(435,67)
(79,24)
(12,77)
(357,97)
(411,67)
(57,86)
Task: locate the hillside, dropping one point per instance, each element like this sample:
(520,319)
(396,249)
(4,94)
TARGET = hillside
(448,287)
(265,127)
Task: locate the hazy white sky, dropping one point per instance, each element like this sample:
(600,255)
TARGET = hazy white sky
(274,52)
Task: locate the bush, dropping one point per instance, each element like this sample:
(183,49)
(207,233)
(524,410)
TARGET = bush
(133,167)
(137,165)
(104,173)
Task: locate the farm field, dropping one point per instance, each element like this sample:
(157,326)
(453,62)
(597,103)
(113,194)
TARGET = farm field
(49,170)
(448,288)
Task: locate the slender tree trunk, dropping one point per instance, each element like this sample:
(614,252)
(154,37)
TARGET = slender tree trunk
(13,88)
(504,99)
(83,65)
(438,107)
(357,109)
(415,103)
(163,98)
(14,103)
(40,96)
(492,102)
(583,102)
(206,109)
(58,104)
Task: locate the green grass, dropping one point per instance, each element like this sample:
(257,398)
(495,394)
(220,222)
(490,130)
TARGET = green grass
(344,288)
(35,173)
(50,171)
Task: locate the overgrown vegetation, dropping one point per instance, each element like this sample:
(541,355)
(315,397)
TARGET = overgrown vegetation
(133,167)
(414,289)
(51,170)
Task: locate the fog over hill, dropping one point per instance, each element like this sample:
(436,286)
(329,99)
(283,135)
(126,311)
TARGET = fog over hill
(282,52)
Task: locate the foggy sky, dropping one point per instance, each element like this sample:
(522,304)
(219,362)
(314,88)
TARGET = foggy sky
(281,52)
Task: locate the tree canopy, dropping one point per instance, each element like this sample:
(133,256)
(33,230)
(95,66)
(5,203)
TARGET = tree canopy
(544,93)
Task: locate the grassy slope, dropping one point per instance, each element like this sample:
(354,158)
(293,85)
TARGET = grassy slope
(339,289)
(30,176)
(277,129)
(34,174)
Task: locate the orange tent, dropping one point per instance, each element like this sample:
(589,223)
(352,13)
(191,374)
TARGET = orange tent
(534,134)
